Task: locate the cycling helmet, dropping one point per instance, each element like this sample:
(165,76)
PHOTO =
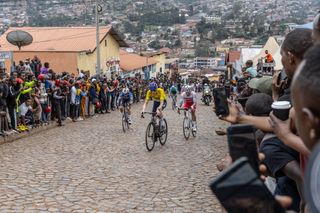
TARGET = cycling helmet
(153,86)
(126,90)
(188,89)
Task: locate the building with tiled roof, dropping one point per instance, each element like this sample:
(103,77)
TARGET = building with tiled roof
(132,63)
(67,48)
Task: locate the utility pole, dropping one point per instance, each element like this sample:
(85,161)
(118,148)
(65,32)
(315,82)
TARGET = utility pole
(98,70)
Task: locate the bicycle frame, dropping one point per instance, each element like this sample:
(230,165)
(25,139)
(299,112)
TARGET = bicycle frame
(187,123)
(158,132)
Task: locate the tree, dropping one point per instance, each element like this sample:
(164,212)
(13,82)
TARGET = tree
(202,49)
(155,45)
(177,43)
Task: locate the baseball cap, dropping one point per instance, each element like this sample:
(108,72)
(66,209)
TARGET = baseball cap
(263,84)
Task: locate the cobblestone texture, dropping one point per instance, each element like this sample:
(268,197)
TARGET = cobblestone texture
(92,166)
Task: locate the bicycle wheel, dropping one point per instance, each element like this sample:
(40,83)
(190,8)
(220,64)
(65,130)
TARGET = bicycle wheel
(127,120)
(186,128)
(173,104)
(124,122)
(150,137)
(163,132)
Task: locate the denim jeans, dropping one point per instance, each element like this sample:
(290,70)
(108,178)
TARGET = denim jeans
(44,116)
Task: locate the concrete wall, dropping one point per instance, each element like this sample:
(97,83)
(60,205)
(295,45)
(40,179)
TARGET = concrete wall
(59,61)
(161,58)
(109,49)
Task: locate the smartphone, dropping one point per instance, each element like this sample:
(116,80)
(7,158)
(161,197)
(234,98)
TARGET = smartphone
(240,190)
(243,102)
(221,102)
(242,143)
(282,77)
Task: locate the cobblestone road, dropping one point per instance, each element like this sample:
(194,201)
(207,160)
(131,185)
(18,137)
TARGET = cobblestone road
(92,166)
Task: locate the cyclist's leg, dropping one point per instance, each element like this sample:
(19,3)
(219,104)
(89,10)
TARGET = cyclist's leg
(164,105)
(121,106)
(128,105)
(193,114)
(155,106)
(194,118)
(129,108)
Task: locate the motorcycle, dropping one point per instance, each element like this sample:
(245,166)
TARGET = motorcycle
(206,96)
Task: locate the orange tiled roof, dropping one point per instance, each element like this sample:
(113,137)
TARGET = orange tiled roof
(131,61)
(165,50)
(64,39)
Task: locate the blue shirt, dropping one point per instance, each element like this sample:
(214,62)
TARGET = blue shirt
(252,71)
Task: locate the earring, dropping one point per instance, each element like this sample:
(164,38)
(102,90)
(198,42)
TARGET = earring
(312,134)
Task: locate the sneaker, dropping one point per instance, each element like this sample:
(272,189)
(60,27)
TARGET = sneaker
(194,127)
(80,119)
(129,121)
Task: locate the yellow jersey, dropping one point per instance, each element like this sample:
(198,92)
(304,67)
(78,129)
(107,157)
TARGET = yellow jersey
(158,95)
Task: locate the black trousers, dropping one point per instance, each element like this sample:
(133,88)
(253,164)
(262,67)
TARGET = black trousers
(74,108)
(57,107)
(12,114)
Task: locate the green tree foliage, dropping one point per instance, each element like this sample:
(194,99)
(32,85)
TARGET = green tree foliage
(130,28)
(177,43)
(155,45)
(163,18)
(202,49)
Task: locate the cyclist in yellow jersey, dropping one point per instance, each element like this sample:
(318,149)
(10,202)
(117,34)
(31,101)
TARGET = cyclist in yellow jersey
(159,99)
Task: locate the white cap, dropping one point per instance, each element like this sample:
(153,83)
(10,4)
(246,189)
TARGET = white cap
(93,80)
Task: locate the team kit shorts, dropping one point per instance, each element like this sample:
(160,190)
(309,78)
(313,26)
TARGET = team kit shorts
(156,104)
(189,105)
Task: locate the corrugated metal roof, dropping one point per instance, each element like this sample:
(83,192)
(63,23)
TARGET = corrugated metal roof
(130,61)
(61,39)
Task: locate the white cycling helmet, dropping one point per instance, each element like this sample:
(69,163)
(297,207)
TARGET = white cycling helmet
(126,90)
(188,89)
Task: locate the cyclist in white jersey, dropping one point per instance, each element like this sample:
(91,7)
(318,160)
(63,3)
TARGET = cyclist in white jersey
(188,100)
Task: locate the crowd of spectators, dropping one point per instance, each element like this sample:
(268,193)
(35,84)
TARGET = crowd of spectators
(33,95)
(286,145)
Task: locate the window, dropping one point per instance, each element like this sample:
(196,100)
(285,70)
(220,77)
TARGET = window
(105,42)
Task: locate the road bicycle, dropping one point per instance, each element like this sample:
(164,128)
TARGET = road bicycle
(174,102)
(187,123)
(155,130)
(125,118)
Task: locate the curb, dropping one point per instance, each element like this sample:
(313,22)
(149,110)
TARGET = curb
(17,136)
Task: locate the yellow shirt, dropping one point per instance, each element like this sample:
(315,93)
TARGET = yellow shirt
(158,95)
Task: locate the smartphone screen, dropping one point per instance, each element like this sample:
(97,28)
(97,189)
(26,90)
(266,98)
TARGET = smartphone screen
(221,102)
(240,190)
(282,76)
(242,143)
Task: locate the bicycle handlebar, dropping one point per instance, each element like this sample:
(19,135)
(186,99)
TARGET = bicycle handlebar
(150,113)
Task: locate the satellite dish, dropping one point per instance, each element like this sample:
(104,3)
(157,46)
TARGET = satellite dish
(19,38)
(129,50)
